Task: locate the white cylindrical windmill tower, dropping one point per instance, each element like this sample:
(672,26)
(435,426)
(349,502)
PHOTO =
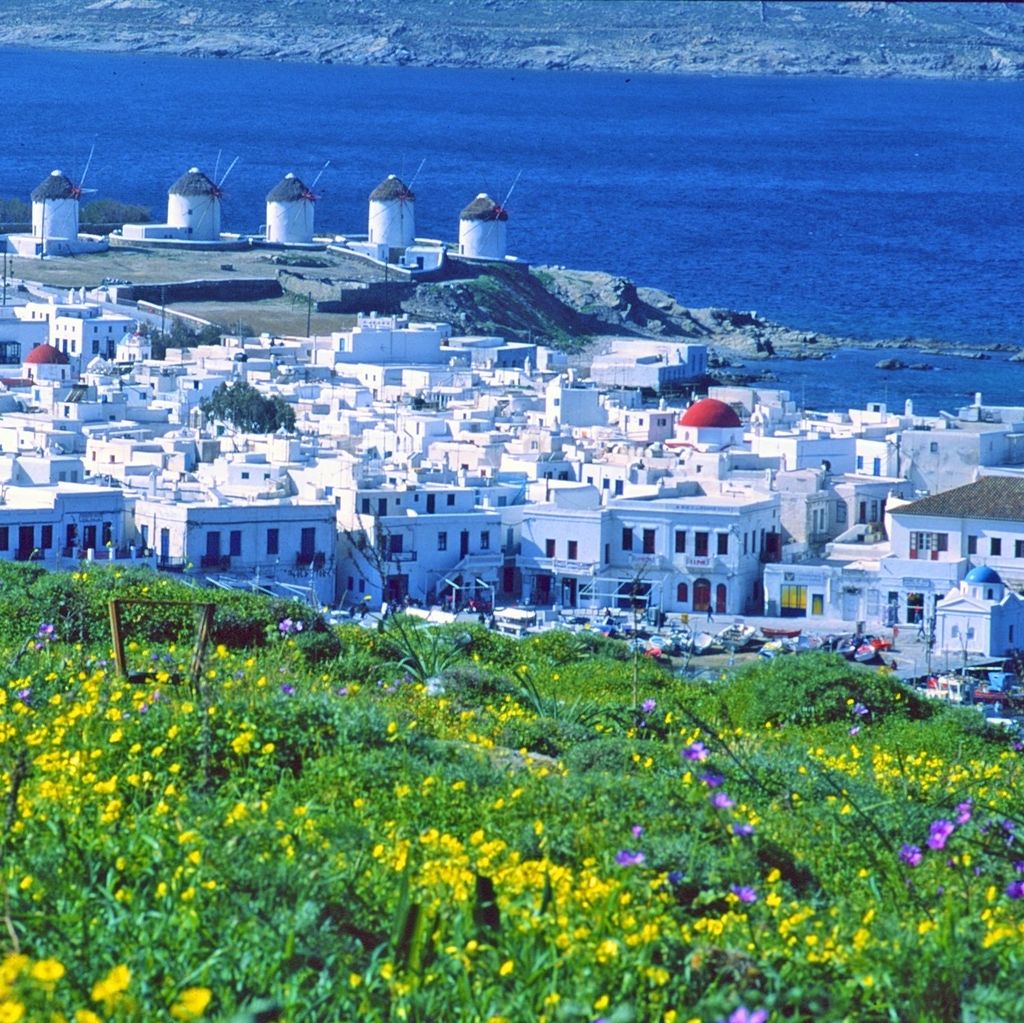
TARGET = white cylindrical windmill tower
(392,214)
(482,229)
(193,203)
(290,212)
(55,207)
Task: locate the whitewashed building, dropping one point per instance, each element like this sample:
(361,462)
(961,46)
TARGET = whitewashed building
(259,542)
(688,550)
(653,366)
(431,543)
(62,524)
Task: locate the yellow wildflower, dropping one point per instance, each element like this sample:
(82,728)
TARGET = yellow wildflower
(113,984)
(191,1003)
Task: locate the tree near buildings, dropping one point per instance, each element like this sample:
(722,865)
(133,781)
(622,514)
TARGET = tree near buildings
(246,409)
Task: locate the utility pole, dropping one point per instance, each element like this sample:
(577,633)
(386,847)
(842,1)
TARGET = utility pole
(636,603)
(309,311)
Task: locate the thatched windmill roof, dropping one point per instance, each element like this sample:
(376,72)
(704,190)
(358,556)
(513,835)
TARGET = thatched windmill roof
(55,186)
(193,182)
(483,207)
(392,188)
(289,189)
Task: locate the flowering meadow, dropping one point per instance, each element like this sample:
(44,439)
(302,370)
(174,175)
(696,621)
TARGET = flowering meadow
(412,824)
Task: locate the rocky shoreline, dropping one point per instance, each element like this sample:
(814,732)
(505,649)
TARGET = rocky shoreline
(917,40)
(577,304)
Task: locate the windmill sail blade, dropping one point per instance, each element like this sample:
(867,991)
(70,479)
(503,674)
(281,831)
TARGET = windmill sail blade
(417,174)
(231,167)
(88,163)
(317,178)
(508,194)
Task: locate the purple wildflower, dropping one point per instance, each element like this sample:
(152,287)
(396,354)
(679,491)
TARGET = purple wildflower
(745,1015)
(696,751)
(860,710)
(143,708)
(1018,866)
(910,854)
(24,694)
(1015,890)
(628,858)
(963,811)
(285,626)
(743,830)
(855,730)
(675,877)
(637,830)
(720,801)
(342,690)
(647,706)
(743,892)
(939,833)
(46,630)
(711,779)
(288,690)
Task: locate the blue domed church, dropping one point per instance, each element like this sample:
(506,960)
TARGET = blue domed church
(980,617)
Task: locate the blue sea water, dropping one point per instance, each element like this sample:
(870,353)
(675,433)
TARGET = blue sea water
(871,208)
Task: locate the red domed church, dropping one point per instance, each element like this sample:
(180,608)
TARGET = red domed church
(708,425)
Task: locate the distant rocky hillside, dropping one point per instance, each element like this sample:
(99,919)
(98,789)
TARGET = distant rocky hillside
(966,40)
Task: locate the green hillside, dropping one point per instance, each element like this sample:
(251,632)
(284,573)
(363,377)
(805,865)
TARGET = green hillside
(422,825)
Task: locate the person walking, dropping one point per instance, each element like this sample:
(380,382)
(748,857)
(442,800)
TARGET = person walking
(710,619)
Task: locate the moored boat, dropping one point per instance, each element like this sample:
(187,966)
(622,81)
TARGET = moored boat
(865,653)
(736,636)
(770,632)
(703,642)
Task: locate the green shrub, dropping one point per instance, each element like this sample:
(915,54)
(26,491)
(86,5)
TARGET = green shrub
(815,689)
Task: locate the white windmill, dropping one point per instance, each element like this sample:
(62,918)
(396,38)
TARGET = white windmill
(392,221)
(193,204)
(55,205)
(290,210)
(482,231)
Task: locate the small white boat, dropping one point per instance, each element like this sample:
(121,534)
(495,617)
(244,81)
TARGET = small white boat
(951,688)
(514,621)
(736,636)
(703,642)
